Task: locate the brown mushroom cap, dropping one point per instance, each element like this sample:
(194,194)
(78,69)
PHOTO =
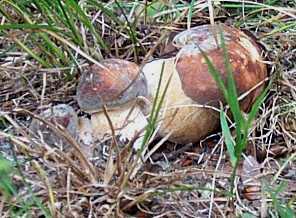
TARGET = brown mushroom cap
(118,83)
(244,56)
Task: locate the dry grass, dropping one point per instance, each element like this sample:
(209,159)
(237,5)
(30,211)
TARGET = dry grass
(177,181)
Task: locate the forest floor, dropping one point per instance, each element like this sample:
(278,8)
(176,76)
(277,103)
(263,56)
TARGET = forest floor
(40,67)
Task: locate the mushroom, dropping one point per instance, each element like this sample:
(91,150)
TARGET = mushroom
(116,85)
(188,113)
(61,114)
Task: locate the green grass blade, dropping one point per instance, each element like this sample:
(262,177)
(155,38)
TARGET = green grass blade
(45,10)
(228,138)
(4,14)
(151,125)
(46,50)
(106,11)
(215,74)
(20,11)
(232,92)
(131,31)
(30,52)
(157,105)
(54,49)
(85,20)
(34,199)
(157,90)
(190,12)
(70,22)
(162,99)
(256,105)
(27,26)
(6,186)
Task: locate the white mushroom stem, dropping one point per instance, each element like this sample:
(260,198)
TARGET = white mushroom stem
(127,121)
(85,136)
(85,133)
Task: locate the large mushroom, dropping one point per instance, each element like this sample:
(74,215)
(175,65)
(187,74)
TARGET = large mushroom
(115,85)
(188,113)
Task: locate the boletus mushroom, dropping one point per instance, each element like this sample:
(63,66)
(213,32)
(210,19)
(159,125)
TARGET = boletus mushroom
(116,85)
(188,113)
(59,115)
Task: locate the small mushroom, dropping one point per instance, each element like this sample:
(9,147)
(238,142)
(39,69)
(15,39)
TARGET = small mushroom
(116,86)
(185,116)
(61,114)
